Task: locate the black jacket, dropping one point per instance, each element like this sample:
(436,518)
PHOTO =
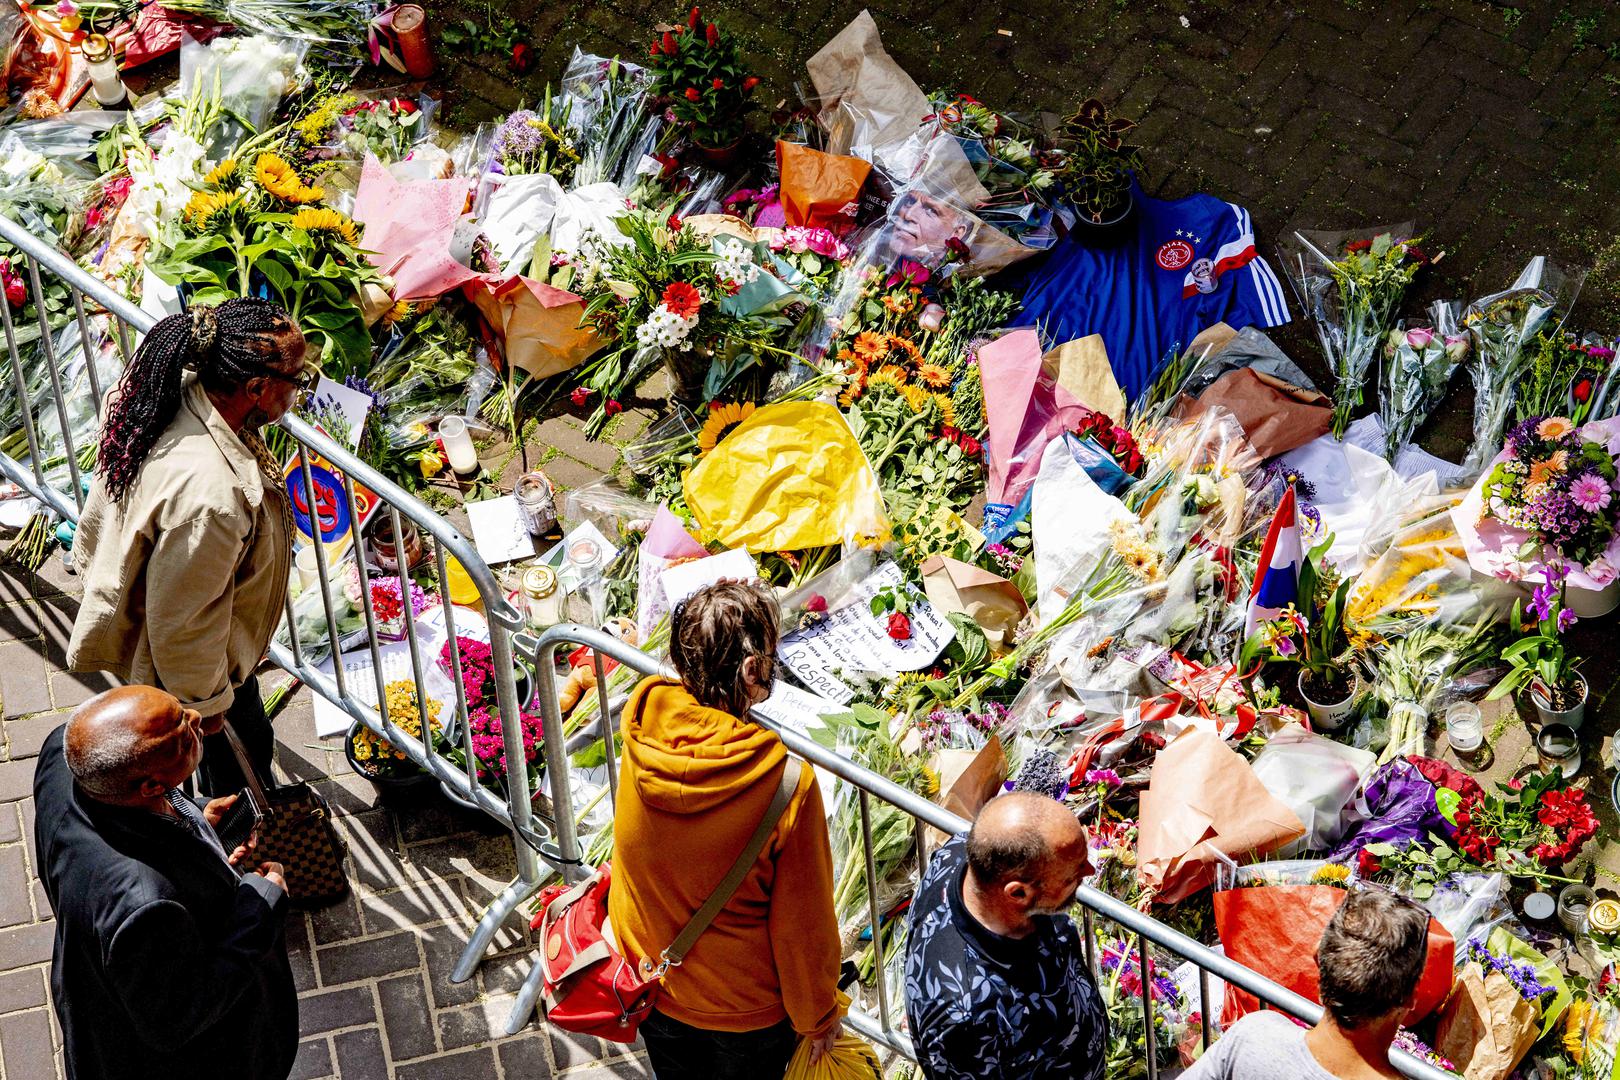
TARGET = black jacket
(167,965)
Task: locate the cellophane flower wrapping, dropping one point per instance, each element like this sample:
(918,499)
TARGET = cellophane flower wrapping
(1502,326)
(1351,284)
(1419,360)
(1397,807)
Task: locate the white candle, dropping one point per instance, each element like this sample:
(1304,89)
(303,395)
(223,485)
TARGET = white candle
(105,84)
(308,573)
(458,444)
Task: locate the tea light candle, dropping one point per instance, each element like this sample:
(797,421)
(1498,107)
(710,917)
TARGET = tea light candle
(458,444)
(105,83)
(308,573)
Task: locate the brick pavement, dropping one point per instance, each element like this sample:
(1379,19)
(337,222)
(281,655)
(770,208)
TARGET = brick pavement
(373,973)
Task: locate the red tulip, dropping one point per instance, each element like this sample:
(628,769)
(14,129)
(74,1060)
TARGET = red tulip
(718,83)
(522,61)
(692,94)
(692,21)
(669,44)
(1583,389)
(750,82)
(581,395)
(612,408)
(712,35)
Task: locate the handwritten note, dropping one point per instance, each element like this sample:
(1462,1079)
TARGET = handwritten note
(852,638)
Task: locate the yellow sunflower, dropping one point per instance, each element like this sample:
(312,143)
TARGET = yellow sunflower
(933,376)
(871,347)
(279,179)
(722,418)
(322,221)
(947,410)
(205,208)
(1575,1030)
(224,175)
(399,312)
(916,397)
(1335,874)
(887,375)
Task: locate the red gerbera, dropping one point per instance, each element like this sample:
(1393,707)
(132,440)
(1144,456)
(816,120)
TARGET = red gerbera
(682,299)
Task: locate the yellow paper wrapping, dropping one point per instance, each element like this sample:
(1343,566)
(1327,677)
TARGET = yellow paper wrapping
(851,1057)
(791,476)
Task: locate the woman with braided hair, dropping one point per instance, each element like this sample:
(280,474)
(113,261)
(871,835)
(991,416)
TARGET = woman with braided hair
(186,540)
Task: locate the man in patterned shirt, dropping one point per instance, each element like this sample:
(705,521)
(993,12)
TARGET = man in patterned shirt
(996,980)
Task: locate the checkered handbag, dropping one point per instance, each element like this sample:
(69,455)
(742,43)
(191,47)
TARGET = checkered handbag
(296,831)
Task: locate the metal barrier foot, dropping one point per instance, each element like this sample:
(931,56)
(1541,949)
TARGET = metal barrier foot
(527,996)
(494,918)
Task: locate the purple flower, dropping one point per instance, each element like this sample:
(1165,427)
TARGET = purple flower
(1590,492)
(1566,619)
(1541,601)
(1103,776)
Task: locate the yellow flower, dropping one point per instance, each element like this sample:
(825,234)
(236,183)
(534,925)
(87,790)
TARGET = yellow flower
(1554,427)
(279,179)
(887,375)
(897,305)
(916,397)
(431,464)
(204,208)
(1332,874)
(224,175)
(722,418)
(1575,1030)
(319,221)
(399,312)
(933,375)
(947,410)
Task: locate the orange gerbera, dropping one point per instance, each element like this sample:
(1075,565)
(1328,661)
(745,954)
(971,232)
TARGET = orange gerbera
(1554,427)
(871,346)
(1544,470)
(933,375)
(905,345)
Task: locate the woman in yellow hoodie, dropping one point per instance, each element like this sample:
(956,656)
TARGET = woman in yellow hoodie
(696,778)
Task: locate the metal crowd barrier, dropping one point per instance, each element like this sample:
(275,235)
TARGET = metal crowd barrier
(882,1028)
(78,359)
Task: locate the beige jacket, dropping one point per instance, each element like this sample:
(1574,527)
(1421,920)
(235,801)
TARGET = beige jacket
(185,578)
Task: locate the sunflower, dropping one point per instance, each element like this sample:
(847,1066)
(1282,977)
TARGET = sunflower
(1335,874)
(871,347)
(722,418)
(398,313)
(1575,1030)
(934,376)
(279,179)
(887,375)
(324,222)
(205,208)
(224,175)
(916,397)
(947,410)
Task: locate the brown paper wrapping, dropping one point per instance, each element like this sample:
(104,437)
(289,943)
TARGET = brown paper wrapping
(1487,1027)
(1276,416)
(967,780)
(539,324)
(1081,367)
(1204,801)
(991,601)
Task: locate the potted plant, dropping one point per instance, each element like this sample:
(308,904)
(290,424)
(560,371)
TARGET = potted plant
(386,766)
(699,70)
(1097,165)
(484,719)
(1538,660)
(1314,639)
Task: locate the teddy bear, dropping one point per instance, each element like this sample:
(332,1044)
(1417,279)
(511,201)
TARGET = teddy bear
(582,674)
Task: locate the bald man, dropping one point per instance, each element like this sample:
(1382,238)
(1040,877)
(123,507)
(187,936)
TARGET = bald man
(169,961)
(996,980)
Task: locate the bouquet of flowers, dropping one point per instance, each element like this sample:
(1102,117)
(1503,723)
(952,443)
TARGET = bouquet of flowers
(1497,1011)
(1525,827)
(1409,672)
(1121,988)
(1563,372)
(1006,157)
(1503,326)
(538,140)
(701,71)
(1352,296)
(1556,484)
(1418,364)
(375,754)
(387,128)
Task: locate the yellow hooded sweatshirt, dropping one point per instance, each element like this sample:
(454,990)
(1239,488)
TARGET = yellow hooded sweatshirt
(694,784)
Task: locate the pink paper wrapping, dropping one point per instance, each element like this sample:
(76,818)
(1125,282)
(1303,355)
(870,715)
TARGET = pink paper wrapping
(1024,410)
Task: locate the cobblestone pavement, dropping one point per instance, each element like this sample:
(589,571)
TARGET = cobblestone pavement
(372,973)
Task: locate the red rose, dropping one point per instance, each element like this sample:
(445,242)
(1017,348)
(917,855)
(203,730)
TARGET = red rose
(669,44)
(612,408)
(692,20)
(1583,389)
(711,35)
(405,106)
(956,248)
(750,82)
(718,83)
(581,395)
(817,603)
(899,627)
(692,94)
(1367,863)
(16,295)
(522,61)
(655,50)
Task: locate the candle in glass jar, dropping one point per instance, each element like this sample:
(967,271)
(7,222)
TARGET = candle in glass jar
(105,84)
(458,444)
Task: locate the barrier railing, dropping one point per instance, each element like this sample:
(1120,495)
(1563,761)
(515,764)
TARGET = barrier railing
(61,368)
(867,785)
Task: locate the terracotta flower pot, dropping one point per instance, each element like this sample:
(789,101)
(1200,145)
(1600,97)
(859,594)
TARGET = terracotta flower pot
(719,157)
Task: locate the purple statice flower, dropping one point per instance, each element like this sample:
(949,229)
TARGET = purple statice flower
(1166,991)
(1522,437)
(1522,976)
(517,139)
(1590,492)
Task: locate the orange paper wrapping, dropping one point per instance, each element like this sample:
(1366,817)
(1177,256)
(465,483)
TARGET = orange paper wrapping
(1274,929)
(539,324)
(819,189)
(1202,802)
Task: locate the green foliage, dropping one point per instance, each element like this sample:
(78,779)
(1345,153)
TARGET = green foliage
(700,69)
(1097,163)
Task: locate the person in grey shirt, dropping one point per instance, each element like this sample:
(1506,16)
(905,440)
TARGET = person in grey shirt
(1369,961)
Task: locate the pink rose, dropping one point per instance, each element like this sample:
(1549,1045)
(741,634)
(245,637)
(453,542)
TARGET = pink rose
(932,318)
(1419,337)
(1602,571)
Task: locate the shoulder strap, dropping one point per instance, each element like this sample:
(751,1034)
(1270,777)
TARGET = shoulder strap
(745,862)
(249,775)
